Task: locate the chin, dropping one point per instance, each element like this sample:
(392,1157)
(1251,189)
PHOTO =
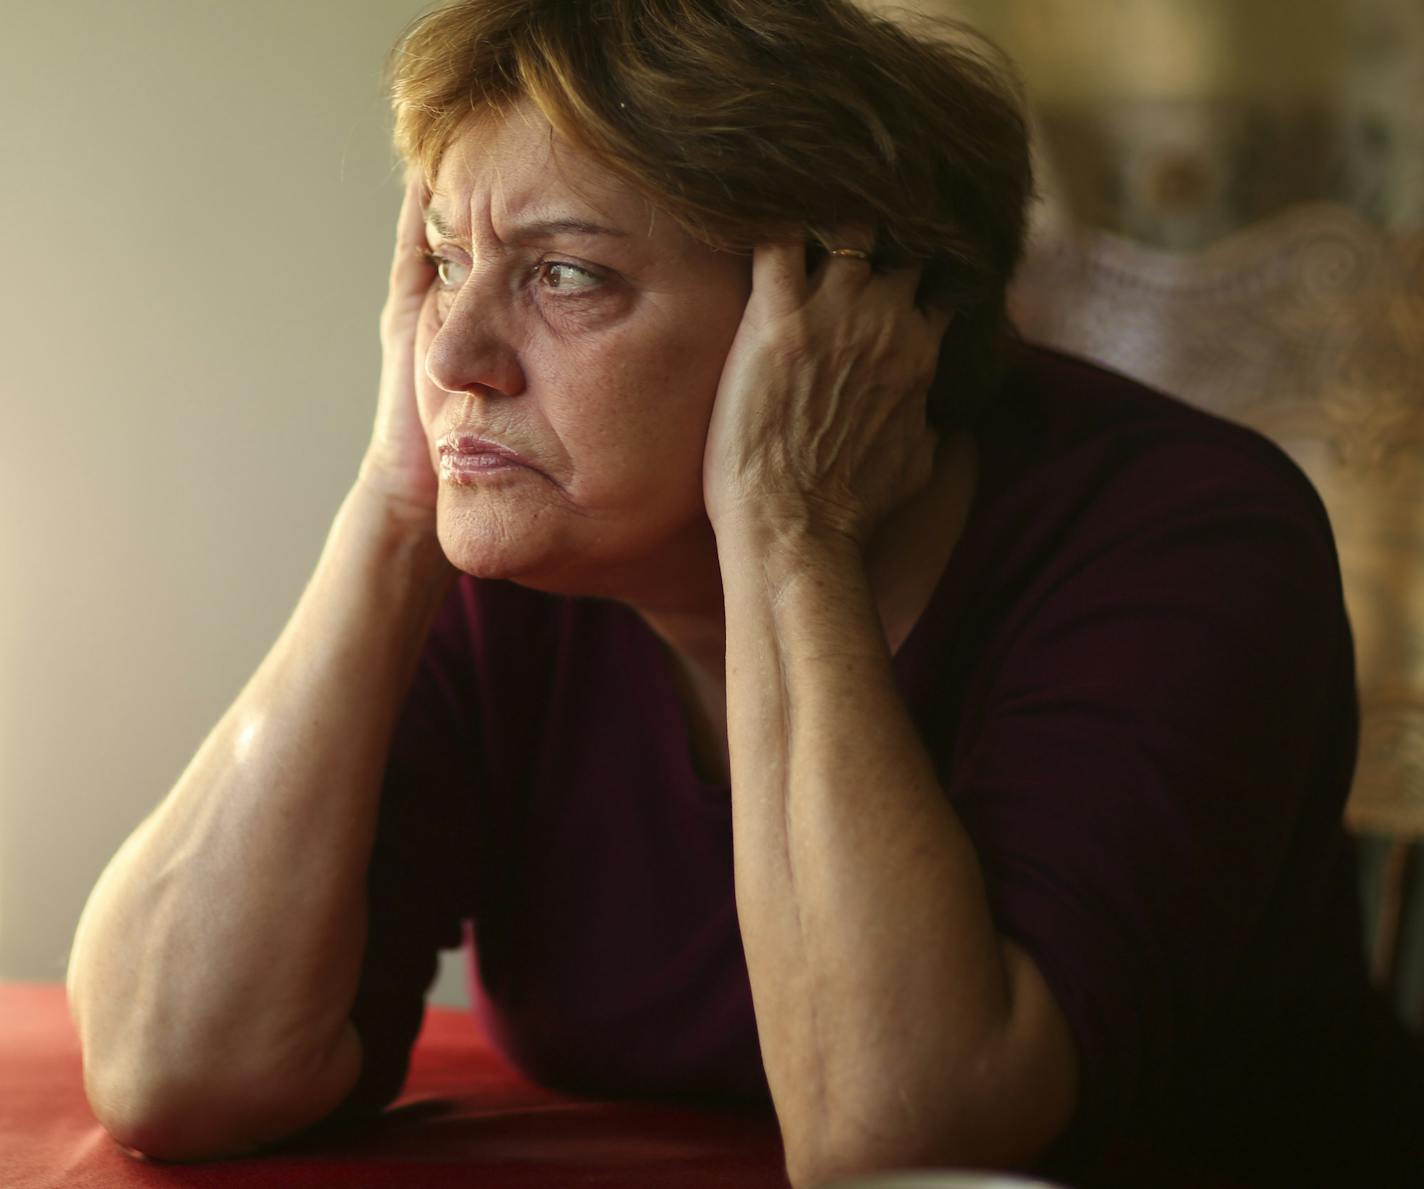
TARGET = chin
(519,545)
(489,539)
(540,546)
(481,553)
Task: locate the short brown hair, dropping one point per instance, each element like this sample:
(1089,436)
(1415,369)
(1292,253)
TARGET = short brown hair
(748,120)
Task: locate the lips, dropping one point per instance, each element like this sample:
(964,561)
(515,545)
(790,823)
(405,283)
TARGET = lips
(466,445)
(465,457)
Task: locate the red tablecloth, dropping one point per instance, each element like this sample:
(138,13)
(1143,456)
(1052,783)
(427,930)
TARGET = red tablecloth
(465,1119)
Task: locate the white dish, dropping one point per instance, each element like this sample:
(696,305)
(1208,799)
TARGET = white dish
(928,1178)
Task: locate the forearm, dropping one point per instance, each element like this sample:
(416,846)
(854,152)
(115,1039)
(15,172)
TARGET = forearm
(880,985)
(224,939)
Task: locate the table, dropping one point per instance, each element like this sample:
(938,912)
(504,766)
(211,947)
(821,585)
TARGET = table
(466,1118)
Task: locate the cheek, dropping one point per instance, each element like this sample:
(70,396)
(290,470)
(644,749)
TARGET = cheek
(650,392)
(665,403)
(690,366)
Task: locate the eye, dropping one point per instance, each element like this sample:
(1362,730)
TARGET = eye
(452,273)
(566,277)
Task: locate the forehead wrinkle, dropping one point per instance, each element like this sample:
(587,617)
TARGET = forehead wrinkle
(541,225)
(534,218)
(490,167)
(536,183)
(458,225)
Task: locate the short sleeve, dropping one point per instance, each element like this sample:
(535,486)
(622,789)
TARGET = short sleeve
(418,880)
(1147,753)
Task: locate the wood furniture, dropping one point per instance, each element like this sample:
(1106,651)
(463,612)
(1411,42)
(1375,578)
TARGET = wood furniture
(1308,327)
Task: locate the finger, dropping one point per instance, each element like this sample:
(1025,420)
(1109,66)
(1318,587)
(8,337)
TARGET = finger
(779,274)
(852,244)
(902,284)
(923,465)
(848,257)
(409,268)
(938,319)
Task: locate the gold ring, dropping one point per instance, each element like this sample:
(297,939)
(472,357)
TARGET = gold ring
(855,253)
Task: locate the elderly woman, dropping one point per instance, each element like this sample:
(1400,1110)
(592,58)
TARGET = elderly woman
(807,694)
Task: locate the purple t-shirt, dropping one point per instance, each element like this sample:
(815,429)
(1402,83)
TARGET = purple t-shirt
(1136,680)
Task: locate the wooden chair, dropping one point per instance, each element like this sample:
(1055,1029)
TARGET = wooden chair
(1308,327)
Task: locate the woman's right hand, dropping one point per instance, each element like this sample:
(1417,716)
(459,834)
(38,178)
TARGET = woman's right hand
(397,464)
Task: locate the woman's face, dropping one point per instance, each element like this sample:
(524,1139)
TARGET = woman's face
(577,327)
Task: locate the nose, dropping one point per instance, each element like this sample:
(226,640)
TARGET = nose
(473,350)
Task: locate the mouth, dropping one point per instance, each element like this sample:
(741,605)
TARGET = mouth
(466,457)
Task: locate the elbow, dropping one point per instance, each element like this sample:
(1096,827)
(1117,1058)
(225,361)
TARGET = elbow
(169,1127)
(970,1138)
(191,1115)
(816,1169)
(177,1141)
(808,1168)
(197,1119)
(187,1127)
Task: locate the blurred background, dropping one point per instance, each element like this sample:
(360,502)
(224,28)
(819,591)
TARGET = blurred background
(195,225)
(1176,122)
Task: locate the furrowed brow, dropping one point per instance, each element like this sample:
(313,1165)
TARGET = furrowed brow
(545,228)
(539,229)
(437,220)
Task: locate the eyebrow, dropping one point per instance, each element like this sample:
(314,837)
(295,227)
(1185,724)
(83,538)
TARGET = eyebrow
(541,229)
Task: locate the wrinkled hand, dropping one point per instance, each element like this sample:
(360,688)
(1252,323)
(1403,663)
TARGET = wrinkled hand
(819,420)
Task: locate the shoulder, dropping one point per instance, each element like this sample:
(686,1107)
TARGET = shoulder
(1077,460)
(1166,572)
(1060,409)
(1159,724)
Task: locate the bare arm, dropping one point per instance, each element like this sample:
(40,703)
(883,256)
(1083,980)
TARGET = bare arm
(898,1028)
(219,951)
(218,955)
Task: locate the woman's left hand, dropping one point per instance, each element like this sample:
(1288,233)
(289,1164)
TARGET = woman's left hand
(819,421)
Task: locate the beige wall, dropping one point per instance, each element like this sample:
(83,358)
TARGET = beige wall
(196,211)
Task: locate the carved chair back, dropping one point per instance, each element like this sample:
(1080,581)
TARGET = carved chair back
(1308,327)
